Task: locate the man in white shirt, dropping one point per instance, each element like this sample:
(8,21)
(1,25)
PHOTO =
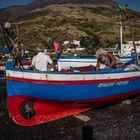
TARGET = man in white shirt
(41,60)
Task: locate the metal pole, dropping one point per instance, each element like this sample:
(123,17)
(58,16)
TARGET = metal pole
(132,35)
(121,37)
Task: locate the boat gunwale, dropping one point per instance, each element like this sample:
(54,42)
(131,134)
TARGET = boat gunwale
(103,71)
(38,81)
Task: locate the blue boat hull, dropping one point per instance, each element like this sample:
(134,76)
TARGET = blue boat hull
(35,97)
(71,91)
(51,102)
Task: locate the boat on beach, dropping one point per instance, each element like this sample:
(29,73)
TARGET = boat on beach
(65,62)
(25,64)
(35,97)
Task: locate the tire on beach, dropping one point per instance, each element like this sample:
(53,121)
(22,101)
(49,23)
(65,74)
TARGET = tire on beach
(27,110)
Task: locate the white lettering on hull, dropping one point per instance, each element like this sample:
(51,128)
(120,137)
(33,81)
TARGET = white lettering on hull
(113,84)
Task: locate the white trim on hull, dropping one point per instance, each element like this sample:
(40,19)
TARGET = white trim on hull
(70,76)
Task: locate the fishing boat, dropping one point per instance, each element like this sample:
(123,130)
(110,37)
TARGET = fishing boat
(25,64)
(65,62)
(35,97)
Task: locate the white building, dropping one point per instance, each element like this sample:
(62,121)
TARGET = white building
(128,48)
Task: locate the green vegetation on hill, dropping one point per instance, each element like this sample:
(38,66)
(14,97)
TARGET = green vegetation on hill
(95,25)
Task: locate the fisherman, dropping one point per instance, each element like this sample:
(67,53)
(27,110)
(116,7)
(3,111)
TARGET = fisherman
(107,59)
(22,50)
(41,60)
(16,55)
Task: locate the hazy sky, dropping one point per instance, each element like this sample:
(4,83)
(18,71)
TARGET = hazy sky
(6,3)
(133,4)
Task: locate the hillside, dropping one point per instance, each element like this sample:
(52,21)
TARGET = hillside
(96,25)
(17,10)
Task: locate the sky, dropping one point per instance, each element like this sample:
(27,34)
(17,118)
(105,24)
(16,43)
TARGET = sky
(133,4)
(6,3)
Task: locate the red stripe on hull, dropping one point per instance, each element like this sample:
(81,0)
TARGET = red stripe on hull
(47,110)
(70,82)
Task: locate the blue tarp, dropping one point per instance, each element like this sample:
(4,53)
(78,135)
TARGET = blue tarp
(4,49)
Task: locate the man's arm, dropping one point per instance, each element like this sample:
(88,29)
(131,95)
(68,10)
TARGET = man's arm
(113,60)
(51,63)
(98,65)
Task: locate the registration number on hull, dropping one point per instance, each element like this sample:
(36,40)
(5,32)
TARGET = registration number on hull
(111,84)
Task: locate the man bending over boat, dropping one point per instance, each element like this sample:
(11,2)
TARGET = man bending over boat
(107,59)
(41,60)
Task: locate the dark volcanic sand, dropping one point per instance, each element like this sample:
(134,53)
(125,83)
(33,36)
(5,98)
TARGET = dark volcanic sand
(113,122)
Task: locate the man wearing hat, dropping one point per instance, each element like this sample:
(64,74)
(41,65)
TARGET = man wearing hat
(41,60)
(107,59)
